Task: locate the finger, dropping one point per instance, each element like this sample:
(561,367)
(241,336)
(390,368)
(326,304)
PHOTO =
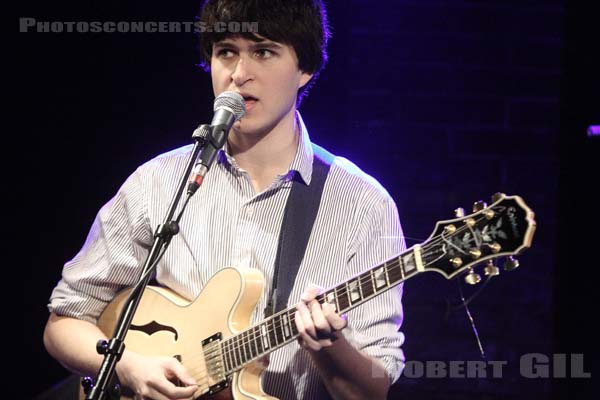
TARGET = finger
(323,331)
(306,319)
(305,339)
(336,321)
(178,371)
(175,371)
(310,292)
(321,324)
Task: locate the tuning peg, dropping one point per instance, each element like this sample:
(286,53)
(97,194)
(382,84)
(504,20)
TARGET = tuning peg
(511,263)
(450,229)
(472,278)
(495,247)
(456,262)
(489,214)
(475,253)
(479,205)
(490,269)
(498,196)
(459,212)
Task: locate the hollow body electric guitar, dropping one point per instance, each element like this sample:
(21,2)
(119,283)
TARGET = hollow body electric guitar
(222,350)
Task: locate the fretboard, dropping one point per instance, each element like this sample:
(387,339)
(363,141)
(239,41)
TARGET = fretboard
(280,328)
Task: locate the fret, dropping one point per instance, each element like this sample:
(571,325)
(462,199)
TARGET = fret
(359,285)
(238,348)
(380,277)
(285,326)
(337,299)
(348,293)
(353,293)
(343,300)
(265,336)
(231,355)
(418,259)
(402,271)
(387,274)
(332,299)
(257,341)
(394,272)
(271,333)
(292,318)
(248,346)
(372,278)
(366,284)
(225,356)
(279,331)
(252,343)
(409,261)
(245,355)
(232,352)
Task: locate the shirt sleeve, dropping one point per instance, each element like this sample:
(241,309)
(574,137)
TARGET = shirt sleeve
(376,323)
(111,257)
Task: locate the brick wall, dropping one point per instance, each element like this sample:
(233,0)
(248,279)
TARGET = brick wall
(446,103)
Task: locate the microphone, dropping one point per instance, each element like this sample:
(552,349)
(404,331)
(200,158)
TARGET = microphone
(228,108)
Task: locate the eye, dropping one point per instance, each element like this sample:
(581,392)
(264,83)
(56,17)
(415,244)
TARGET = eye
(265,53)
(225,53)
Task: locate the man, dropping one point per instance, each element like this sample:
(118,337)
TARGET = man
(235,219)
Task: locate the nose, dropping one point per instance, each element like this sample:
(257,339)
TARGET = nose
(242,72)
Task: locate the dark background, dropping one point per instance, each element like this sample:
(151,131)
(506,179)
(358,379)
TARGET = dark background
(444,102)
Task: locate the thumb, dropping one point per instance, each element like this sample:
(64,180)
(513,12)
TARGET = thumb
(182,373)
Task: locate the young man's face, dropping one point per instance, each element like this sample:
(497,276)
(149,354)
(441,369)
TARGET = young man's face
(266,73)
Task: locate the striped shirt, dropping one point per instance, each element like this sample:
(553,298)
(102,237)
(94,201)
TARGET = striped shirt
(227,224)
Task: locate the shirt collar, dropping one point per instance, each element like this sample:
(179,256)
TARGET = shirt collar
(302,162)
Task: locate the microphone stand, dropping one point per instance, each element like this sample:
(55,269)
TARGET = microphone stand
(113,349)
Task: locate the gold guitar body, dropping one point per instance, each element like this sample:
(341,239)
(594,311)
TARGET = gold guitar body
(165,324)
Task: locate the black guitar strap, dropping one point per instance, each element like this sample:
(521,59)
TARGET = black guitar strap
(298,219)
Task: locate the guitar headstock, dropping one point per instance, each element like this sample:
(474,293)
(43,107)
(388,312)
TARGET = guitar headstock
(501,230)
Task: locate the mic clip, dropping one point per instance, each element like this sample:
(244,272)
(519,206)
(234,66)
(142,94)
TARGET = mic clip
(202,134)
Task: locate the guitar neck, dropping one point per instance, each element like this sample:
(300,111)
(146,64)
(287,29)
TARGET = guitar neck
(280,328)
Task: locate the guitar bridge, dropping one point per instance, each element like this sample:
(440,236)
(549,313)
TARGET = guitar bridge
(214,363)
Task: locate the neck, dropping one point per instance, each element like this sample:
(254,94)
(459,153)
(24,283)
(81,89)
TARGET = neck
(265,155)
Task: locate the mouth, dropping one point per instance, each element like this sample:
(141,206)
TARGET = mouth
(250,101)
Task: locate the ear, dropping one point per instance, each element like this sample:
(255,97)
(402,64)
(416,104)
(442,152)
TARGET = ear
(304,78)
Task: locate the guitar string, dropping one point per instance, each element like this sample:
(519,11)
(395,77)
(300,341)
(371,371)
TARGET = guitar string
(231,345)
(248,346)
(254,333)
(247,339)
(361,280)
(249,336)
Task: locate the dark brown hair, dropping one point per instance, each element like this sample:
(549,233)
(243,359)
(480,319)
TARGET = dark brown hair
(301,24)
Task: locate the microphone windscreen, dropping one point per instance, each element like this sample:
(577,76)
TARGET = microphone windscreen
(233,101)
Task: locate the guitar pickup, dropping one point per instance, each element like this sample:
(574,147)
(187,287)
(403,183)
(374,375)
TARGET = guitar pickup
(217,336)
(214,365)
